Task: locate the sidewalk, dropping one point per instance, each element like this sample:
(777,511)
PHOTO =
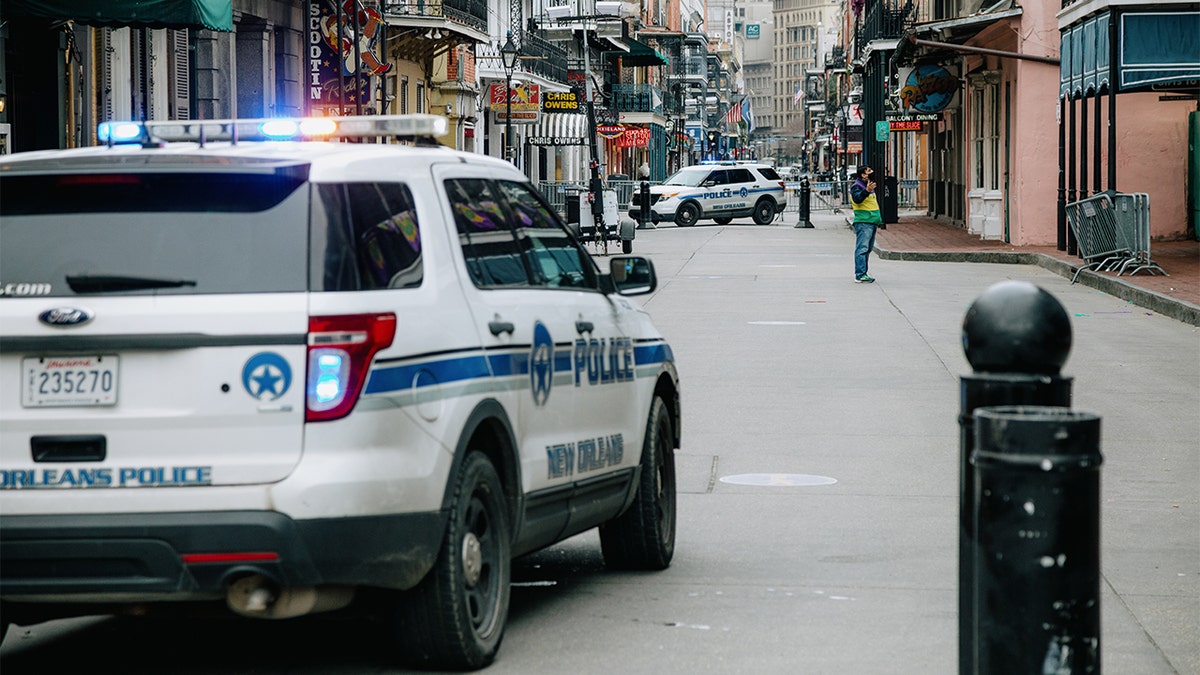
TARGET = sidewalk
(919,237)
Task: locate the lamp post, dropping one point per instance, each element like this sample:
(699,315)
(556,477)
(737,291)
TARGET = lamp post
(509,54)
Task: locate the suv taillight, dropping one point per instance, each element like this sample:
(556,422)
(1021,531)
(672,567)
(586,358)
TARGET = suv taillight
(340,349)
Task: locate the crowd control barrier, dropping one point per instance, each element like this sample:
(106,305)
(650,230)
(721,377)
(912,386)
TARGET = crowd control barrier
(1113,233)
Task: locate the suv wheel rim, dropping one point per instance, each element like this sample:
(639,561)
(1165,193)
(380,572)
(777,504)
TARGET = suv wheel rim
(472,559)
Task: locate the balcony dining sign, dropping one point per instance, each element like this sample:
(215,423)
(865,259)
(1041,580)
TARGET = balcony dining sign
(336,53)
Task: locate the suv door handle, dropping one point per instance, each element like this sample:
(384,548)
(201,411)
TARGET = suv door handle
(498,327)
(582,326)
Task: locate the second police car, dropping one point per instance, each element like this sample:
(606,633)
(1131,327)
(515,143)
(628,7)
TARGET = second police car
(720,191)
(244,365)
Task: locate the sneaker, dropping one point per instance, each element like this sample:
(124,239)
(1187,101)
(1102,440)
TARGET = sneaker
(864,279)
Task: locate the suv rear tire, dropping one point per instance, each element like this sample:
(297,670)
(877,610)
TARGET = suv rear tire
(643,538)
(764,211)
(455,618)
(688,214)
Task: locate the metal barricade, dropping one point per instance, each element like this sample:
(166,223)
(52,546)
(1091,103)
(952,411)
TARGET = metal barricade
(1113,233)
(1133,228)
(1093,221)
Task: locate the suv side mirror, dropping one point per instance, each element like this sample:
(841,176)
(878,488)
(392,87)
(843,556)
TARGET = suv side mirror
(632,275)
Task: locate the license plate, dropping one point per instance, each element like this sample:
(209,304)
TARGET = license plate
(69,381)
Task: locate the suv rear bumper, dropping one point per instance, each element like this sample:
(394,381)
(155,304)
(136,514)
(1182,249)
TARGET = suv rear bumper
(136,557)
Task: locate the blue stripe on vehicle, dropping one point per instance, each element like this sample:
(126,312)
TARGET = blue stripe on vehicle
(658,352)
(457,369)
(389,378)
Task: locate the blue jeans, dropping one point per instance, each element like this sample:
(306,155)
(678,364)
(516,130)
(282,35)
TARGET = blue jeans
(864,241)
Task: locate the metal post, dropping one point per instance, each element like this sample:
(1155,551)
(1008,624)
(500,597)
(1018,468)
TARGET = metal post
(509,54)
(804,203)
(1016,337)
(1037,558)
(508,141)
(645,221)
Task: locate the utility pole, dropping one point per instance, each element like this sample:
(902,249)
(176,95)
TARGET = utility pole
(595,185)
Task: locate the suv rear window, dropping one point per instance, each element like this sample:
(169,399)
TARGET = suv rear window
(769,173)
(71,234)
(365,237)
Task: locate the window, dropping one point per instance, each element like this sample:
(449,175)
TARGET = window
(404,95)
(740,176)
(487,240)
(985,133)
(370,239)
(60,228)
(554,257)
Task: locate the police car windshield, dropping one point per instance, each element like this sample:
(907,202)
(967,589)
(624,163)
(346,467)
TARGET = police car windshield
(691,176)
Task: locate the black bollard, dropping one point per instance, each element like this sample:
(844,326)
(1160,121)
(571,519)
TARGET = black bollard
(804,203)
(645,222)
(1037,558)
(1016,337)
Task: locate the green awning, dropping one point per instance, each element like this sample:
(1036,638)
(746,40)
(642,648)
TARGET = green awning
(211,14)
(641,54)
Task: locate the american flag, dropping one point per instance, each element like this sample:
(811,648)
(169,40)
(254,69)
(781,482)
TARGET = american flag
(734,115)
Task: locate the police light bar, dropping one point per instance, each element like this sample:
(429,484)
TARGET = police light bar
(273,129)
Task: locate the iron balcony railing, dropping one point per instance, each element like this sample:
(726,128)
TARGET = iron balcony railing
(643,98)
(472,13)
(887,20)
(543,57)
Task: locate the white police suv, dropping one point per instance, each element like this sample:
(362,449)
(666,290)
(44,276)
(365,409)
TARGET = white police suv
(243,363)
(721,191)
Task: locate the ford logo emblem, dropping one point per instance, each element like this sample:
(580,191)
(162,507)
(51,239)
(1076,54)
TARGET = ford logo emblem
(65,316)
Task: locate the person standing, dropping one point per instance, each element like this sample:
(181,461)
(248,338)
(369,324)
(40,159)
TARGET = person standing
(866,220)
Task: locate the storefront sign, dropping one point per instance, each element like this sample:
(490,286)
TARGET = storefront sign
(562,101)
(610,130)
(634,137)
(555,140)
(906,125)
(929,88)
(912,117)
(526,102)
(331,58)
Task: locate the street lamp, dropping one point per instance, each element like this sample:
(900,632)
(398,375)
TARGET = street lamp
(509,54)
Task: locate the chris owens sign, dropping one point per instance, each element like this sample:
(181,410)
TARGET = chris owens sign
(560,101)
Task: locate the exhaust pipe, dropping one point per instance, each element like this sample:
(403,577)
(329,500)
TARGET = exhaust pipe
(258,597)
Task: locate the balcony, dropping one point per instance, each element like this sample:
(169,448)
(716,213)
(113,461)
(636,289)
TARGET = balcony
(417,29)
(887,20)
(644,98)
(542,57)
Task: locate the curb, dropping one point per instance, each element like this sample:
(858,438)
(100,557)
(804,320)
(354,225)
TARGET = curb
(1156,302)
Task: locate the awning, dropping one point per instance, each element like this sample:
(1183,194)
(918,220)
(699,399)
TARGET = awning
(560,129)
(952,31)
(1155,50)
(640,54)
(211,14)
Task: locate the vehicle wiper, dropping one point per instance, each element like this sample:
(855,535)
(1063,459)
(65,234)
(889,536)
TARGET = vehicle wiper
(105,283)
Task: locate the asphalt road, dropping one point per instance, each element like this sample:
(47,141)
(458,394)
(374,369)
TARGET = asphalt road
(841,555)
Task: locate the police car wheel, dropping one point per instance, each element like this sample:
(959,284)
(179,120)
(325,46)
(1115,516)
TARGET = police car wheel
(644,536)
(687,215)
(764,212)
(454,619)
(723,221)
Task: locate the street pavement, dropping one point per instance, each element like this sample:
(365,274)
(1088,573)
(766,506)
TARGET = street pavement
(791,368)
(836,550)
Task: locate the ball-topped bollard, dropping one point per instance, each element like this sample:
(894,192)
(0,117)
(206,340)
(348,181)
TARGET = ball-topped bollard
(1016,337)
(1016,327)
